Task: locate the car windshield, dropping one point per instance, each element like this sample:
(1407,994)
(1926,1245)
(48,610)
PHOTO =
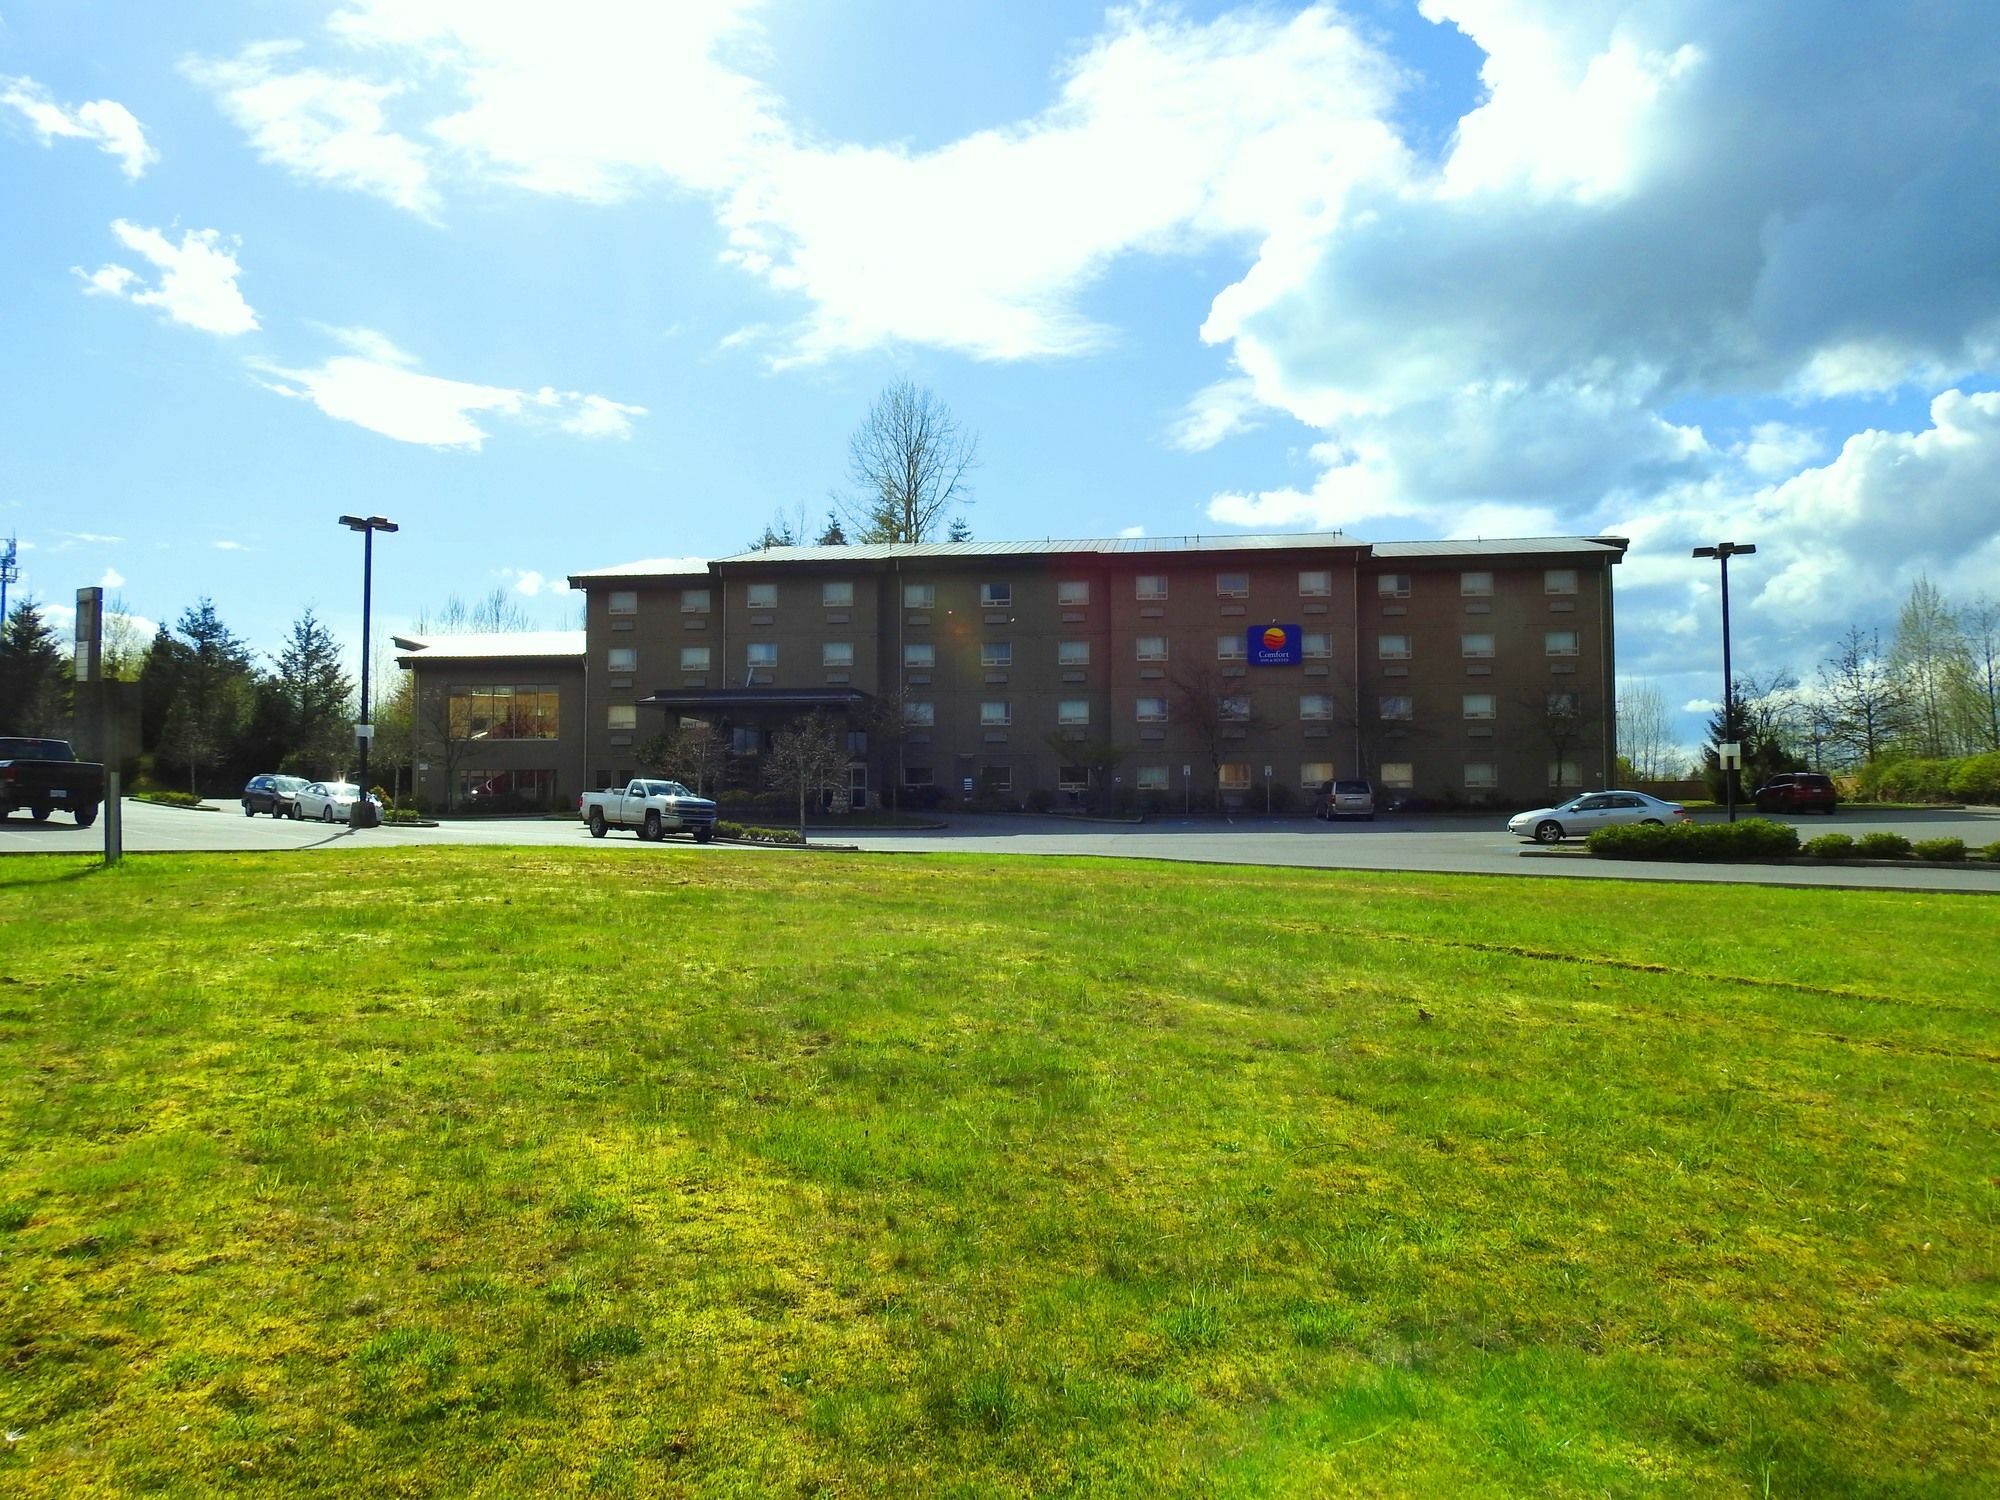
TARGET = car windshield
(288,783)
(340,789)
(666,789)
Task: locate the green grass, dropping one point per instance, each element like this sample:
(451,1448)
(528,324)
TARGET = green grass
(522,1171)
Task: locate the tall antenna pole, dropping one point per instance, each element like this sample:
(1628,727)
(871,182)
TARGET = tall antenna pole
(10,572)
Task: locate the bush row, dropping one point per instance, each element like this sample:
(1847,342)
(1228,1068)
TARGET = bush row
(1704,843)
(728,830)
(1965,778)
(1895,846)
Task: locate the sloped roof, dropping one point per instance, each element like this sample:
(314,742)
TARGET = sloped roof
(1499,546)
(646,567)
(1047,547)
(504,645)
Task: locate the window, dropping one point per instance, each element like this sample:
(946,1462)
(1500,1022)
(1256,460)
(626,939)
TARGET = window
(1559,581)
(1151,588)
(1397,706)
(621,716)
(996,653)
(1073,653)
(996,713)
(694,601)
(1314,773)
(761,595)
(1152,778)
(919,715)
(857,742)
(1072,778)
(1393,647)
(1481,774)
(746,739)
(1392,585)
(1565,705)
(996,595)
(622,659)
(694,658)
(996,778)
(1559,642)
(1475,585)
(1316,645)
(1232,585)
(836,595)
(1475,643)
(1315,706)
(836,654)
(918,776)
(1230,647)
(919,654)
(1234,776)
(624,602)
(1398,773)
(1315,583)
(1235,707)
(527,712)
(1152,710)
(1075,593)
(1073,711)
(1481,706)
(919,595)
(1565,773)
(1152,648)
(761,654)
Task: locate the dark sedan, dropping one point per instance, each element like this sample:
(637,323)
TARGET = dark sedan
(271,794)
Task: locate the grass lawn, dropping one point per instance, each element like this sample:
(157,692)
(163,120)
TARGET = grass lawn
(523,1171)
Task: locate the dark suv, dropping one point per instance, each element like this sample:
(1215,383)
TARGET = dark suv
(271,794)
(1798,791)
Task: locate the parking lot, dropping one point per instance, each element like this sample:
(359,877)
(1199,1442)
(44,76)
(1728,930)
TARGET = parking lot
(1453,845)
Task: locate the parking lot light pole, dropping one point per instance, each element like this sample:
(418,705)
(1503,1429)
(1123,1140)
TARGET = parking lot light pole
(1722,552)
(367,526)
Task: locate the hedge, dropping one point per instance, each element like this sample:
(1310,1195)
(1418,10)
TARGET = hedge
(1966,778)
(1697,843)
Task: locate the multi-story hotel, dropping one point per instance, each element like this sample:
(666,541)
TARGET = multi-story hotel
(1180,668)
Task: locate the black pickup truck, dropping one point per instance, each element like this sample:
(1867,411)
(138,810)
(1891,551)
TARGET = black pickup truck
(43,775)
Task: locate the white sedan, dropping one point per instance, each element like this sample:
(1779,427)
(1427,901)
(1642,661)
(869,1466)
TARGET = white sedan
(327,801)
(1578,817)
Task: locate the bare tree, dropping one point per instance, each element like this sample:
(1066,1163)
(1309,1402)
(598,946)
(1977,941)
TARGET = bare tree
(693,752)
(124,647)
(1863,698)
(495,613)
(1099,761)
(1645,733)
(1979,623)
(1214,709)
(444,729)
(1928,655)
(808,755)
(1566,719)
(908,463)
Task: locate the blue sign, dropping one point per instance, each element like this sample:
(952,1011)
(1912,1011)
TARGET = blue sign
(1274,645)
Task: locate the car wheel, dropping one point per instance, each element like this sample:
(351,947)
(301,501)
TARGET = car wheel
(39,814)
(249,811)
(597,829)
(85,816)
(1548,831)
(651,832)
(703,835)
(326,812)
(1651,823)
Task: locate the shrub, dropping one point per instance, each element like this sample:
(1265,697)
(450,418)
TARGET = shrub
(1831,846)
(168,799)
(1944,850)
(1993,852)
(1882,846)
(1977,778)
(1753,838)
(1040,800)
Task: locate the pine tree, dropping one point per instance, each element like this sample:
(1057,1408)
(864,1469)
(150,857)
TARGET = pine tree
(159,680)
(212,695)
(31,674)
(316,692)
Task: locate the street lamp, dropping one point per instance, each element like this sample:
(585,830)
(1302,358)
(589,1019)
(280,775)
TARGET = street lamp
(1722,552)
(364,814)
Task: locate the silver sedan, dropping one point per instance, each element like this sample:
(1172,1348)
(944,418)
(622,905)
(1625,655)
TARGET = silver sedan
(327,801)
(1580,816)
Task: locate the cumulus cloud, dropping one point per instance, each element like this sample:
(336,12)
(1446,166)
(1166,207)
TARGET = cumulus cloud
(112,579)
(104,121)
(197,278)
(529,582)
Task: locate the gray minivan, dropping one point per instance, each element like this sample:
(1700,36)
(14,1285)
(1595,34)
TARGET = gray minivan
(1345,798)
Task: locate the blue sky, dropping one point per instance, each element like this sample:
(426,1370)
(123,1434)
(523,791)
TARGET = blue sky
(559,287)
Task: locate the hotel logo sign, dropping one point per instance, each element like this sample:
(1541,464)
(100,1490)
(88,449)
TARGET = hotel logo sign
(1273,645)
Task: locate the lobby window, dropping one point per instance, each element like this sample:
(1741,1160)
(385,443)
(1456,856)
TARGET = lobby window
(1559,642)
(836,594)
(1316,645)
(919,595)
(1481,706)
(1315,583)
(694,658)
(996,595)
(760,595)
(1073,594)
(621,716)
(1400,774)
(1232,585)
(1152,778)
(1397,706)
(1073,653)
(761,655)
(996,653)
(1392,585)
(526,712)
(1315,773)
(1559,581)
(1475,644)
(919,654)
(1151,588)
(1481,775)
(836,653)
(622,659)
(746,739)
(1392,648)
(996,713)
(1475,585)
(919,715)
(1152,648)
(1073,711)
(1315,706)
(1565,773)
(1234,776)
(1152,710)
(1230,647)
(624,602)
(694,601)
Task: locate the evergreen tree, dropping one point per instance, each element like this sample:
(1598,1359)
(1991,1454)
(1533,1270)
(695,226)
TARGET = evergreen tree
(316,693)
(961,530)
(834,535)
(159,680)
(32,674)
(212,696)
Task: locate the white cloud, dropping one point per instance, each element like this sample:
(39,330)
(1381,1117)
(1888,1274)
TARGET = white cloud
(104,121)
(1132,532)
(197,285)
(226,546)
(529,582)
(84,536)
(598,416)
(112,579)
(1216,412)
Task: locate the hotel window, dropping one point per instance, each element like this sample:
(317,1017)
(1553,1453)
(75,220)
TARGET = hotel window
(1475,585)
(1074,593)
(836,653)
(1235,708)
(1072,778)
(1315,706)
(1399,774)
(996,713)
(694,658)
(1073,653)
(1151,588)
(1393,648)
(919,595)
(996,778)
(761,654)
(1565,705)
(1316,645)
(1565,773)
(996,595)
(835,595)
(1314,773)
(857,742)
(1392,585)
(1230,648)
(760,595)
(1152,648)
(1481,706)
(1559,642)
(1315,583)
(1073,711)
(1152,778)
(1232,585)
(918,776)
(996,653)
(624,602)
(1481,775)
(918,654)
(1475,643)
(1152,710)
(621,716)
(694,601)
(746,739)
(1559,581)
(919,715)
(1234,776)
(622,659)
(1397,706)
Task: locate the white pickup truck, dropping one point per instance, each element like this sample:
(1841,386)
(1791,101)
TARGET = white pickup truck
(655,808)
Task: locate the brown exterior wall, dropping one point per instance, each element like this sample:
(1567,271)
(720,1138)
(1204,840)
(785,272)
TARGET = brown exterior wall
(446,767)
